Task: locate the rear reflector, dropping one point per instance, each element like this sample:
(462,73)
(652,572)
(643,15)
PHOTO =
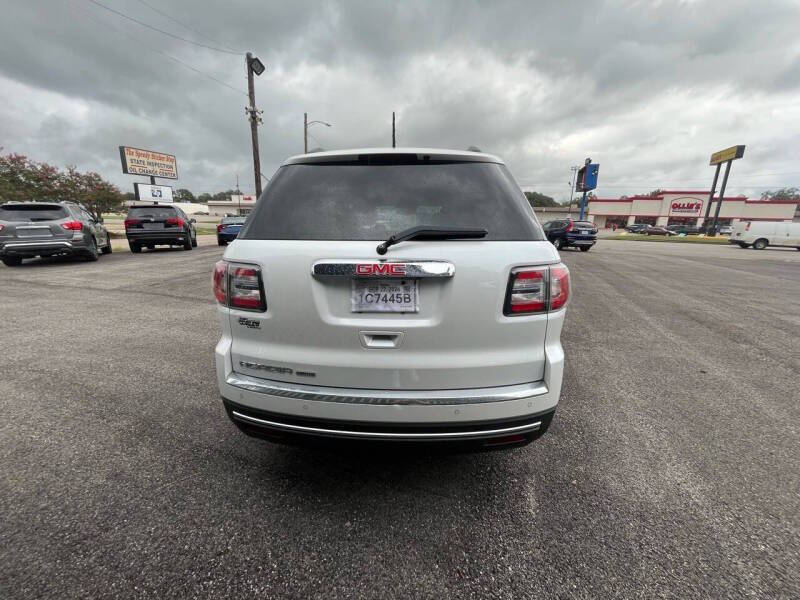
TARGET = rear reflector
(238,286)
(534,290)
(72,225)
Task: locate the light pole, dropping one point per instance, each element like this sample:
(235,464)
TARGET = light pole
(254,66)
(306,125)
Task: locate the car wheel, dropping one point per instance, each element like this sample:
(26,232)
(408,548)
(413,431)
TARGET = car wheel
(15,261)
(107,248)
(91,250)
(187,243)
(760,244)
(135,248)
(221,242)
(585,248)
(558,243)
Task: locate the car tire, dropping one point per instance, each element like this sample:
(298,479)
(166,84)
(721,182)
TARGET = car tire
(135,248)
(221,242)
(741,245)
(15,261)
(194,242)
(91,250)
(187,243)
(558,243)
(760,244)
(585,248)
(107,248)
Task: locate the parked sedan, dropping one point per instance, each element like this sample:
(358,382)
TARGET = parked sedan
(229,229)
(30,229)
(656,230)
(636,227)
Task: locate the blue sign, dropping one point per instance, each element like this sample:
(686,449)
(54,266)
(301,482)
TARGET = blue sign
(587,177)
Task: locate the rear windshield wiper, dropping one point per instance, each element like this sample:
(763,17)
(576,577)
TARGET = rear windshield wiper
(429,232)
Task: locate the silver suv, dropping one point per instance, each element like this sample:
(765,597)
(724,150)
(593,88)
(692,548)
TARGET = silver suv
(401,295)
(30,229)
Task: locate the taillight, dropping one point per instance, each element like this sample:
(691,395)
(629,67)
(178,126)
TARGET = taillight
(534,290)
(219,227)
(220,282)
(569,224)
(129,222)
(559,286)
(175,221)
(527,291)
(1,228)
(238,286)
(72,225)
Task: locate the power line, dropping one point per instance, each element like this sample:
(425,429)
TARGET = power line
(185,26)
(167,33)
(161,52)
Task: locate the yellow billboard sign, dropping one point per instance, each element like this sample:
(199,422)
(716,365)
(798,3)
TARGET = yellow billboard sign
(731,153)
(136,161)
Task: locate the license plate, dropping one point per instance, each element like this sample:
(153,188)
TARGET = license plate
(34,232)
(153,225)
(385,296)
(584,231)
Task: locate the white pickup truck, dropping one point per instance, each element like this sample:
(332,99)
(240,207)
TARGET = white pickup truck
(392,295)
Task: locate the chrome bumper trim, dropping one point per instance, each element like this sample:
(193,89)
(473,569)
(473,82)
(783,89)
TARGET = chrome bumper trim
(369,268)
(41,243)
(386,397)
(379,435)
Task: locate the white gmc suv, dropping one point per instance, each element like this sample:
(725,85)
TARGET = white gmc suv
(400,295)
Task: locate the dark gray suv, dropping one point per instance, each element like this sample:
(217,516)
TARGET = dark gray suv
(31,229)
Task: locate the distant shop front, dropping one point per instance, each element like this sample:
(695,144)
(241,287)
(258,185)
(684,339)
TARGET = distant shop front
(685,208)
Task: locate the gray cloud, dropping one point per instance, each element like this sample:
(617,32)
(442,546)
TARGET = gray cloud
(649,89)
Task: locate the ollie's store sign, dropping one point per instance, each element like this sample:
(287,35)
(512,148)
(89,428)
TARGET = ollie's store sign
(685,206)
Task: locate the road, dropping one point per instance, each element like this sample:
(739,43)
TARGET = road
(672,468)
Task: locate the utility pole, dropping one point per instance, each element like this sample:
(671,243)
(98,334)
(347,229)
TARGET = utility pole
(305,133)
(394,139)
(253,115)
(238,195)
(574,169)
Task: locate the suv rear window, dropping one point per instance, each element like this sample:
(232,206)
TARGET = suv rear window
(583,224)
(360,201)
(152,211)
(32,212)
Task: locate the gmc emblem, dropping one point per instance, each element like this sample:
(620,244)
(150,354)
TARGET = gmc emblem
(385,269)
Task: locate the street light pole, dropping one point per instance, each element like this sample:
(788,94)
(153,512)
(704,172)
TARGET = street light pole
(306,125)
(254,65)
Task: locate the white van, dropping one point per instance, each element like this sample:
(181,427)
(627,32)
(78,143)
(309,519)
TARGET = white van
(760,234)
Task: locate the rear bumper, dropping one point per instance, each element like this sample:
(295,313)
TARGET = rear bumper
(289,410)
(299,430)
(580,241)
(40,248)
(157,237)
(227,237)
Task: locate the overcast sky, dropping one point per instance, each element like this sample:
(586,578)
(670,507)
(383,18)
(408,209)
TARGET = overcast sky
(647,89)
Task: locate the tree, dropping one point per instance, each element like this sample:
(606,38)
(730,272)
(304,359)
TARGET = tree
(183,195)
(204,198)
(222,196)
(537,199)
(790,193)
(25,180)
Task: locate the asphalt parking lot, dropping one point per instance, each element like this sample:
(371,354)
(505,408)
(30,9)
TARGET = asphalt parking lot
(672,468)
